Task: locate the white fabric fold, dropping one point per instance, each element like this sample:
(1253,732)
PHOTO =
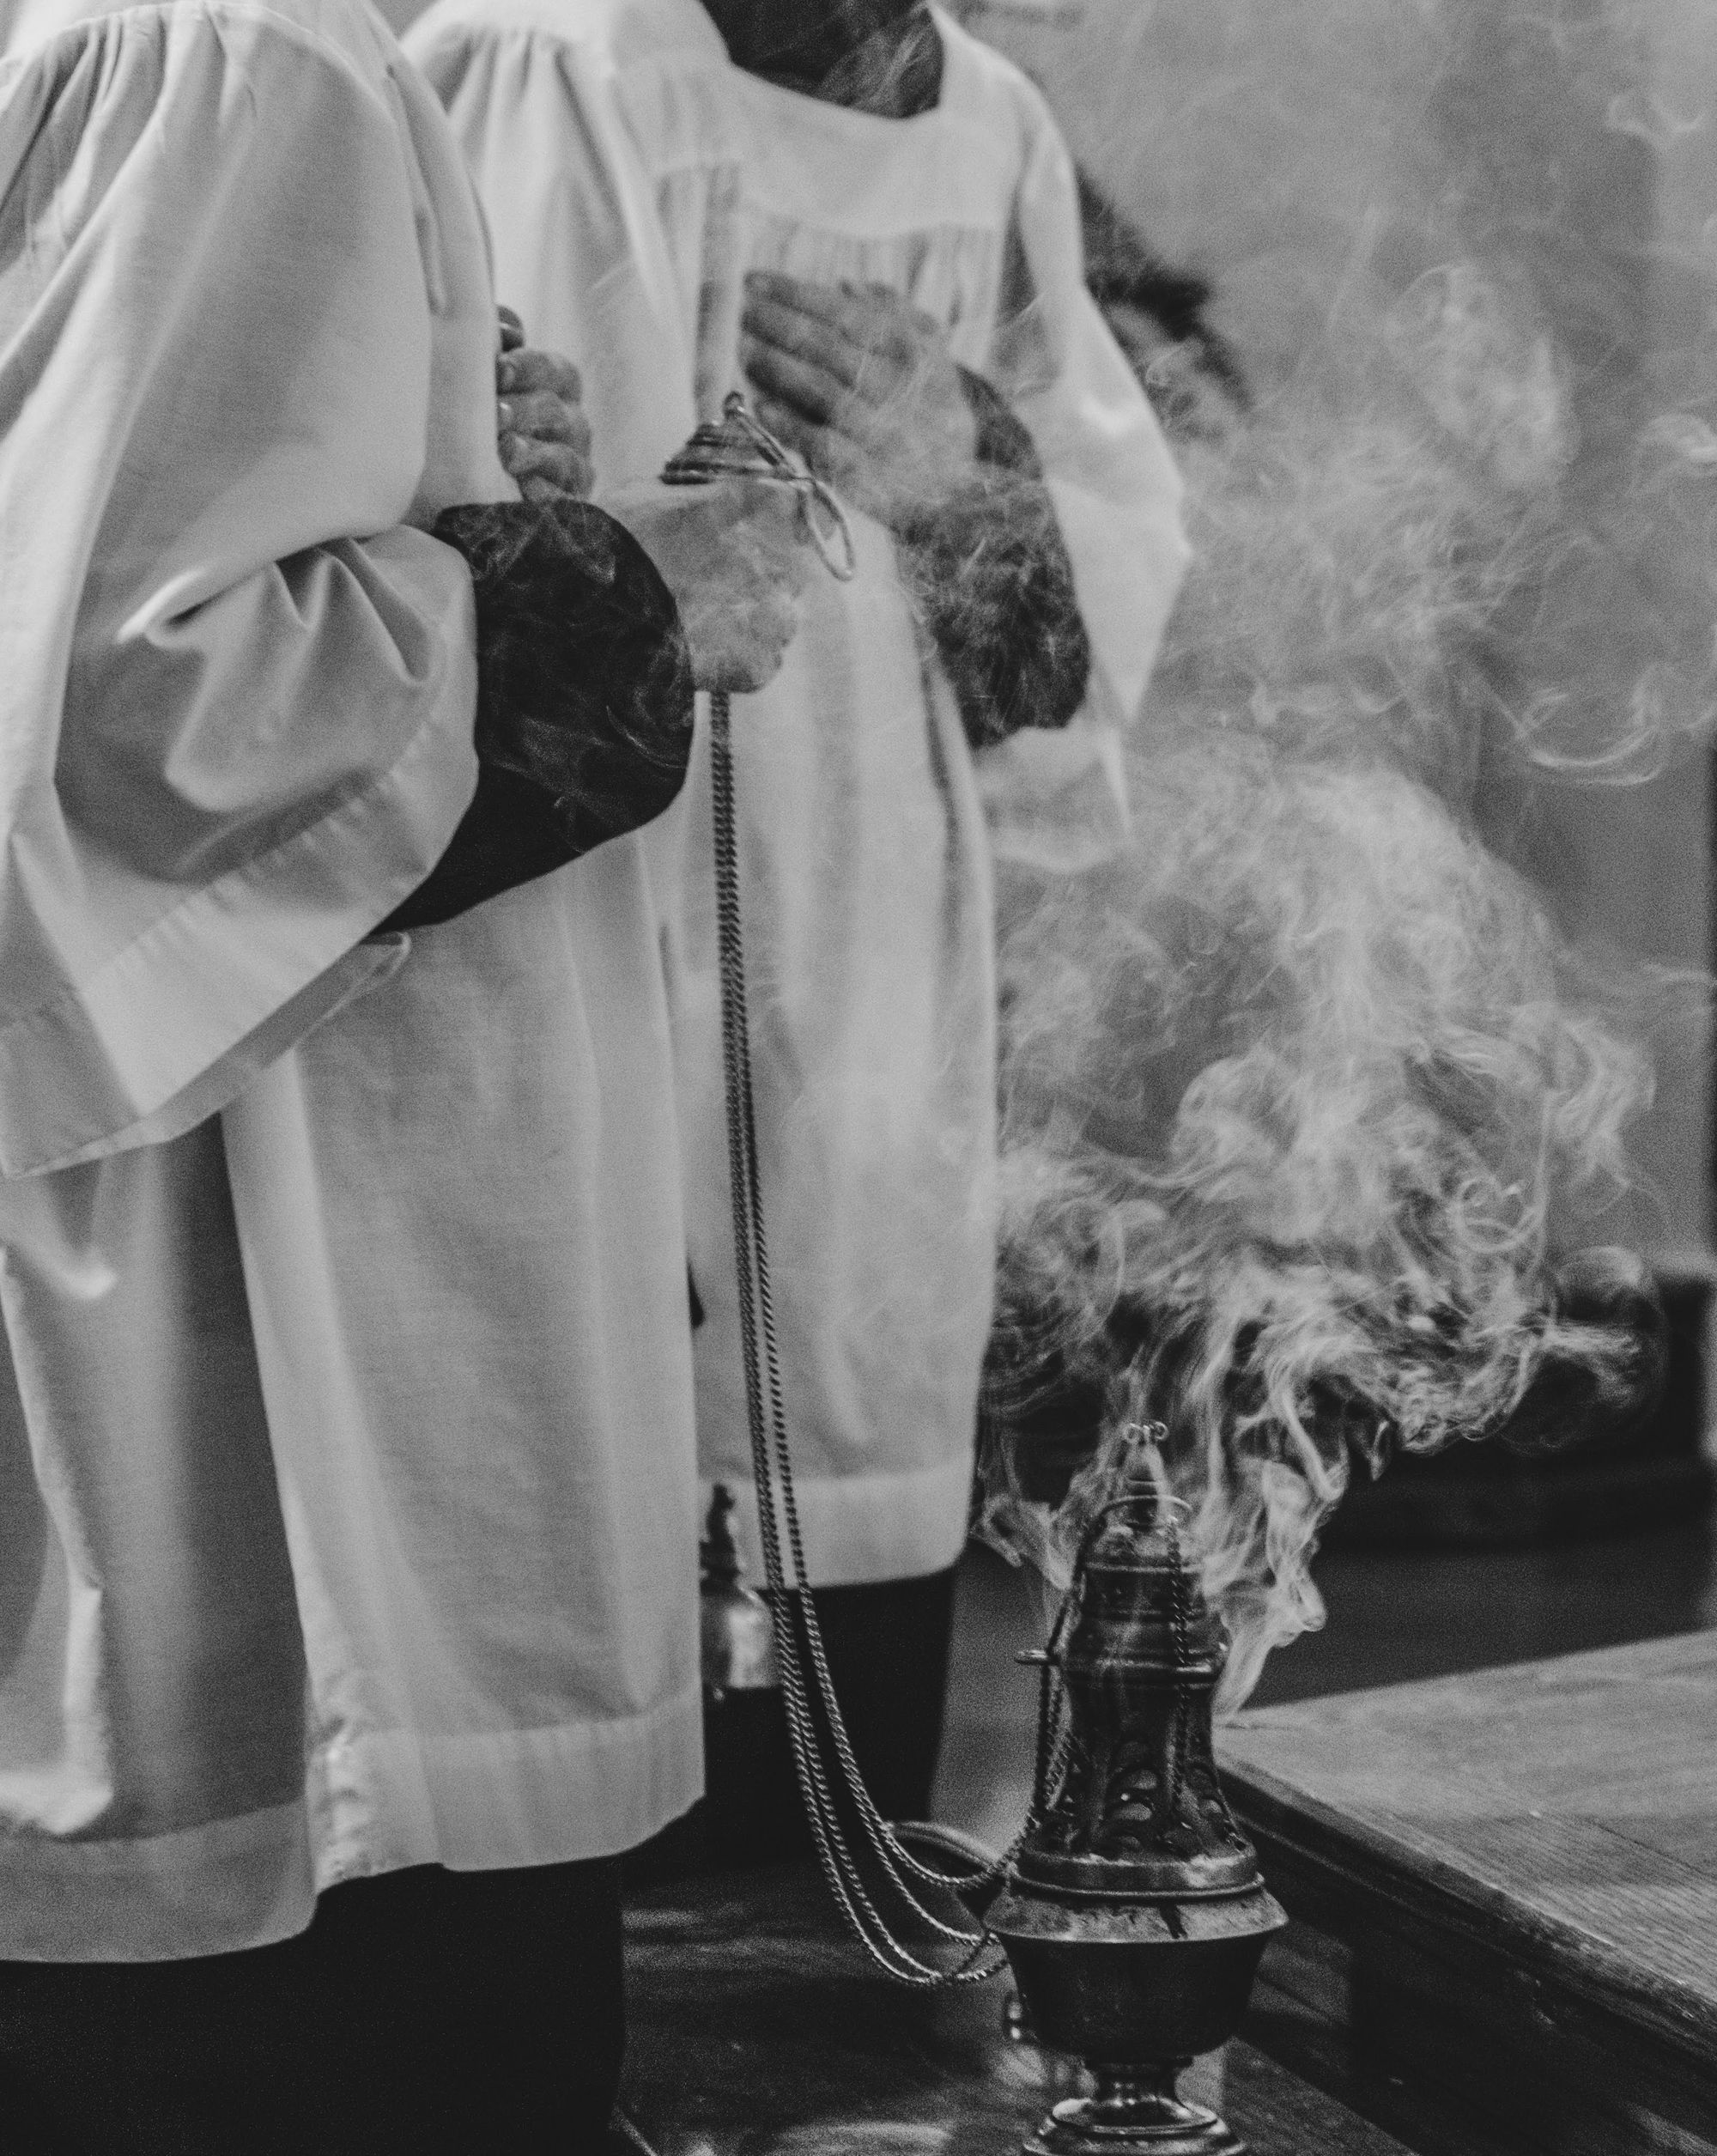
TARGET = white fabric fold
(346,1475)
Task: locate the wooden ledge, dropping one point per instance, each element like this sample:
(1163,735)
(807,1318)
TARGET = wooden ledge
(1505,1894)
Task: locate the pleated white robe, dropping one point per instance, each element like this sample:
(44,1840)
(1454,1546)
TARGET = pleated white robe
(631,177)
(346,1475)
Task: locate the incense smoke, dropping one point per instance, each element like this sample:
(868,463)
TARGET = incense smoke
(1303,1097)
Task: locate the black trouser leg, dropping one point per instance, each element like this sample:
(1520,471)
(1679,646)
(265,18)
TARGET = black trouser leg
(423,2009)
(492,2003)
(175,2058)
(887,1650)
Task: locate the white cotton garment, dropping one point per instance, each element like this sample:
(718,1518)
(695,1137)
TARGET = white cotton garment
(346,1490)
(631,176)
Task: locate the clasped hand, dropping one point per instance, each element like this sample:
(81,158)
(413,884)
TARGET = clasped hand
(862,384)
(540,431)
(732,553)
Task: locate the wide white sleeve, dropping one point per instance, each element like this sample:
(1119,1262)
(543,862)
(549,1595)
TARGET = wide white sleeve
(575,228)
(1059,799)
(237,692)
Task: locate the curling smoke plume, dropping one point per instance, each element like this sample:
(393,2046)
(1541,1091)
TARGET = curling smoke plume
(1295,1089)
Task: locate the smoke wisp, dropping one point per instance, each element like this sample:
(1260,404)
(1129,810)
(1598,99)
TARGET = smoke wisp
(1303,1097)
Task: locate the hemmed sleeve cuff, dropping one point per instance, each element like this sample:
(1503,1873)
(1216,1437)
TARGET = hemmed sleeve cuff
(177,1024)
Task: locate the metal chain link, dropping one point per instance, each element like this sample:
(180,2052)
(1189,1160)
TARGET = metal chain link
(794,1611)
(1180,1618)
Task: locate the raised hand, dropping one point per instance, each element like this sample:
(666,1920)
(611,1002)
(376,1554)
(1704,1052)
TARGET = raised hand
(734,556)
(861,383)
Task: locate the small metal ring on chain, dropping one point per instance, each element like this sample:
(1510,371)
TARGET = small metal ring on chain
(739,446)
(843,565)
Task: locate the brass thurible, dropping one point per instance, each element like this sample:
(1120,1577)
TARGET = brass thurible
(1134,1913)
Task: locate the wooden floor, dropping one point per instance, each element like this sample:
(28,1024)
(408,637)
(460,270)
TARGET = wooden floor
(756,2030)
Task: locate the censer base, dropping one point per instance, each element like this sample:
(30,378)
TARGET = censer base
(1132,2114)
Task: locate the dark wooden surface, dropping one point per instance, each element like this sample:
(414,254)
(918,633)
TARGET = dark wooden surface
(757,2030)
(1505,1888)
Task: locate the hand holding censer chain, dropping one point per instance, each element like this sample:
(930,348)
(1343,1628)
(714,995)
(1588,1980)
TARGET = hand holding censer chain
(1131,1906)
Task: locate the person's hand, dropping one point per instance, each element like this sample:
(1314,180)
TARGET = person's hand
(861,383)
(734,556)
(540,430)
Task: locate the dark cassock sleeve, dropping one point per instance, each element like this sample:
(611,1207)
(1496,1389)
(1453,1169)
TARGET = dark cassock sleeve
(584,698)
(991,574)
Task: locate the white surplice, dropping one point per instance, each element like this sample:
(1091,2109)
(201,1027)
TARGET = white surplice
(631,176)
(346,1475)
